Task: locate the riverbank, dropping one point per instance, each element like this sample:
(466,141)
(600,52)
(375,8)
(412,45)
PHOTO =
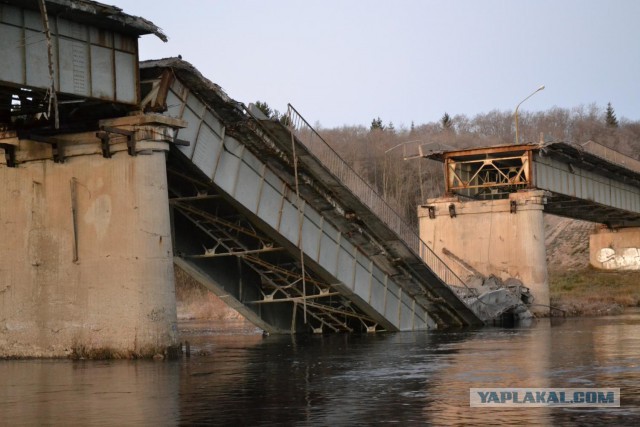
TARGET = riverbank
(195,302)
(591,292)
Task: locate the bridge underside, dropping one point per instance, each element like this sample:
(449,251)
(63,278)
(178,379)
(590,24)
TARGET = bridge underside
(589,182)
(227,250)
(587,210)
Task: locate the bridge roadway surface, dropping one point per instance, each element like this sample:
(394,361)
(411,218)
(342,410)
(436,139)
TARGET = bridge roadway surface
(240,229)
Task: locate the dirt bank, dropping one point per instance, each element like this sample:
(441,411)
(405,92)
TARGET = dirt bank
(589,292)
(194,301)
(575,287)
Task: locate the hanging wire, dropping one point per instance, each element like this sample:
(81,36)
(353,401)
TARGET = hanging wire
(300,213)
(53,97)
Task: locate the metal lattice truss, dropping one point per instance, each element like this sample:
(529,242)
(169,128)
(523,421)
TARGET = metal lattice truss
(281,279)
(491,173)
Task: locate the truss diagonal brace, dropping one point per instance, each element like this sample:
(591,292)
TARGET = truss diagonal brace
(240,254)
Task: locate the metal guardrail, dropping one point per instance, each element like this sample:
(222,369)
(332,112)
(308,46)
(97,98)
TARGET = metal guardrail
(327,156)
(612,156)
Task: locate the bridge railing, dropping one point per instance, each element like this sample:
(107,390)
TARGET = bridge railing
(327,156)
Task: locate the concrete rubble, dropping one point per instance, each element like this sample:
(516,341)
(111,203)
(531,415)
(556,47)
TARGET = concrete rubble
(492,299)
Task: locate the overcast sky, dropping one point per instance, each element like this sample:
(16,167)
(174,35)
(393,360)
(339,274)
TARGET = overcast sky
(346,62)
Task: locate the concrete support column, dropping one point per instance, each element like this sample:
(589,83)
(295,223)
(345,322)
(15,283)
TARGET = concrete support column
(500,237)
(615,249)
(86,264)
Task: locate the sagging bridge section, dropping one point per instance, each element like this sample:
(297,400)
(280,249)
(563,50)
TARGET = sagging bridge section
(293,242)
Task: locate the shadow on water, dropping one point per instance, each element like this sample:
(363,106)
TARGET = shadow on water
(243,378)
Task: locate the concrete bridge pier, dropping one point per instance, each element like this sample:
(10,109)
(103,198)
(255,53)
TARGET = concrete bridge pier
(86,263)
(503,237)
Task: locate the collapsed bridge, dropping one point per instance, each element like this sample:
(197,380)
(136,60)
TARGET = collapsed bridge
(113,171)
(263,222)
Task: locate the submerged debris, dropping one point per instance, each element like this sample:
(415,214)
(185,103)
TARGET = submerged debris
(492,298)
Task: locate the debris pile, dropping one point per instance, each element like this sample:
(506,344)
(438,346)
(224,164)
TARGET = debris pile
(491,298)
(496,298)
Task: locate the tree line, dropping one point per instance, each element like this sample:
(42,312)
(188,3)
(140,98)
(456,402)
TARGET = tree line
(387,156)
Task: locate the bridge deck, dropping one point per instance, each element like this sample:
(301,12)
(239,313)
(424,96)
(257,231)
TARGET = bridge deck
(588,182)
(240,228)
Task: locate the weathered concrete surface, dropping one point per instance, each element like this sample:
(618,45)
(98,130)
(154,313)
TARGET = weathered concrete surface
(492,240)
(615,249)
(112,297)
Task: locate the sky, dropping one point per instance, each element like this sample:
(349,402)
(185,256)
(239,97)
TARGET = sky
(345,62)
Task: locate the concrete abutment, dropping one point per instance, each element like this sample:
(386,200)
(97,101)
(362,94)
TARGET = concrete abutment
(86,262)
(615,249)
(504,237)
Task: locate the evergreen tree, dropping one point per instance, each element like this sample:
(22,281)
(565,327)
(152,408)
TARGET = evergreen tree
(390,127)
(376,124)
(446,121)
(264,107)
(610,117)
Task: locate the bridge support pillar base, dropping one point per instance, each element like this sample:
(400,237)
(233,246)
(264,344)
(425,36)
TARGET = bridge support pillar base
(503,237)
(86,265)
(615,249)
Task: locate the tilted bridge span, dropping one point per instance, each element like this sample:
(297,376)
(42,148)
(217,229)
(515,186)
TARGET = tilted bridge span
(268,217)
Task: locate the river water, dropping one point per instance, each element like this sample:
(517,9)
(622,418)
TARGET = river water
(238,377)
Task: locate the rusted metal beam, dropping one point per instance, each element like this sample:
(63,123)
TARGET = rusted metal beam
(234,253)
(295,299)
(490,150)
(166,80)
(174,200)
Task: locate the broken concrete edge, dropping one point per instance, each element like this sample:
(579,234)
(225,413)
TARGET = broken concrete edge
(198,83)
(98,14)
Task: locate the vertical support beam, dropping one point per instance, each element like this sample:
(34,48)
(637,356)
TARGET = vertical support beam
(240,281)
(293,317)
(530,178)
(447,175)
(74,216)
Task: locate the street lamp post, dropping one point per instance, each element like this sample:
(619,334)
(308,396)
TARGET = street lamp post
(404,156)
(533,93)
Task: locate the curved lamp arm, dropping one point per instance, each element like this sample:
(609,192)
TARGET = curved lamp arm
(518,106)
